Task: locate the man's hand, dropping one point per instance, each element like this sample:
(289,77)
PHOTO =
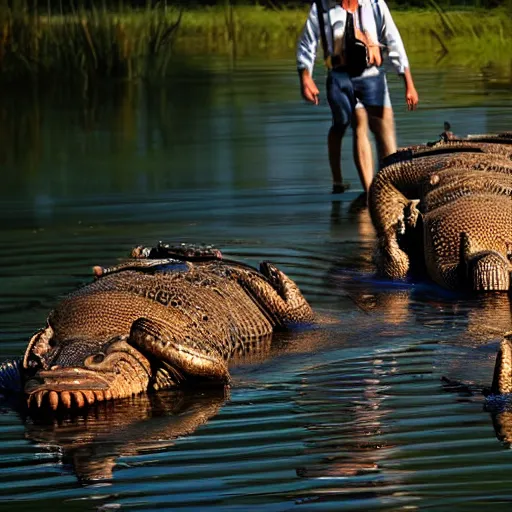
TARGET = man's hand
(411,95)
(308,88)
(411,98)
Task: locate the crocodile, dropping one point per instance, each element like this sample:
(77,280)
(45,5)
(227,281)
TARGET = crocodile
(167,317)
(446,209)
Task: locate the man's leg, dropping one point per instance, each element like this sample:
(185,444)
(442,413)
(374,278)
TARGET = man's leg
(362,148)
(382,124)
(340,96)
(373,93)
(334,140)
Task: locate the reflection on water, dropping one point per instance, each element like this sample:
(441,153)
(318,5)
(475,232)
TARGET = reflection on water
(93,441)
(349,415)
(203,129)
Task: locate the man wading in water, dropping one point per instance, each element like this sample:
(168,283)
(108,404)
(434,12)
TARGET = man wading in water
(352,34)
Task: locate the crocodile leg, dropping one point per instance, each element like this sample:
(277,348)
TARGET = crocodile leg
(392,217)
(390,259)
(182,355)
(278,296)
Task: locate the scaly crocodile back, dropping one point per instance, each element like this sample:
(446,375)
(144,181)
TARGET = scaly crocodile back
(462,192)
(206,305)
(443,227)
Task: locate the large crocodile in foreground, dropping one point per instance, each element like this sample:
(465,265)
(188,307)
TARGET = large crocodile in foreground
(454,201)
(170,317)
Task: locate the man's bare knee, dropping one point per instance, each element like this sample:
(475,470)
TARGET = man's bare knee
(360,121)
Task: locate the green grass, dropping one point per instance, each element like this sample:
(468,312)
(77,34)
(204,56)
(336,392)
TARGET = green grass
(464,38)
(86,45)
(145,43)
(472,39)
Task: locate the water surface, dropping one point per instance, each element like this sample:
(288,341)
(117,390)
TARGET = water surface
(351,415)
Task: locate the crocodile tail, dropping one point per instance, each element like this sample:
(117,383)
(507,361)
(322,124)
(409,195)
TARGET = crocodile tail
(10,376)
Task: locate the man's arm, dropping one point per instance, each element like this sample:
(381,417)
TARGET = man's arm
(411,94)
(390,37)
(306,55)
(308,88)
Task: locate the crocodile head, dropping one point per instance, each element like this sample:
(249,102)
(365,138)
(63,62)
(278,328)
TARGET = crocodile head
(80,371)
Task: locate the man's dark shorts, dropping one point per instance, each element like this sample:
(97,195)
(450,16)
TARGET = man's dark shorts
(345,94)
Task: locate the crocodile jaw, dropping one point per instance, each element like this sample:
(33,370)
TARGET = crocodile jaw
(119,372)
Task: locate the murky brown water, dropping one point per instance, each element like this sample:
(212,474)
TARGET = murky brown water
(351,415)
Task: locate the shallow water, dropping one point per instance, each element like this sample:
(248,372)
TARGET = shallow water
(351,415)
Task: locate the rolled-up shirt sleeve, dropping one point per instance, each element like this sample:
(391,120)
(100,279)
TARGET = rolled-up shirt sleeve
(390,37)
(308,42)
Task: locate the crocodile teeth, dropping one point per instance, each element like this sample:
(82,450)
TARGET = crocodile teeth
(39,397)
(89,396)
(53,398)
(65,398)
(29,400)
(108,395)
(79,398)
(99,396)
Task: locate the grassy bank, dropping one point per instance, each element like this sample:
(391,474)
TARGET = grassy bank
(133,44)
(467,38)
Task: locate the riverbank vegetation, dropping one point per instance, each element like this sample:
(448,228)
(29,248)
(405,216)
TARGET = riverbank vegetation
(85,41)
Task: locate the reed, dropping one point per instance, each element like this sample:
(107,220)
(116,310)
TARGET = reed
(471,39)
(86,44)
(143,43)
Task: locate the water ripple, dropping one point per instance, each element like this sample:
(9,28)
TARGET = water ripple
(349,415)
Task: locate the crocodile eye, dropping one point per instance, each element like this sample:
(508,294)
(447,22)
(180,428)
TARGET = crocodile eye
(98,358)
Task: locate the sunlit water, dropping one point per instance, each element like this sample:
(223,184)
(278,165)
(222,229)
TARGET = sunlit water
(350,415)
